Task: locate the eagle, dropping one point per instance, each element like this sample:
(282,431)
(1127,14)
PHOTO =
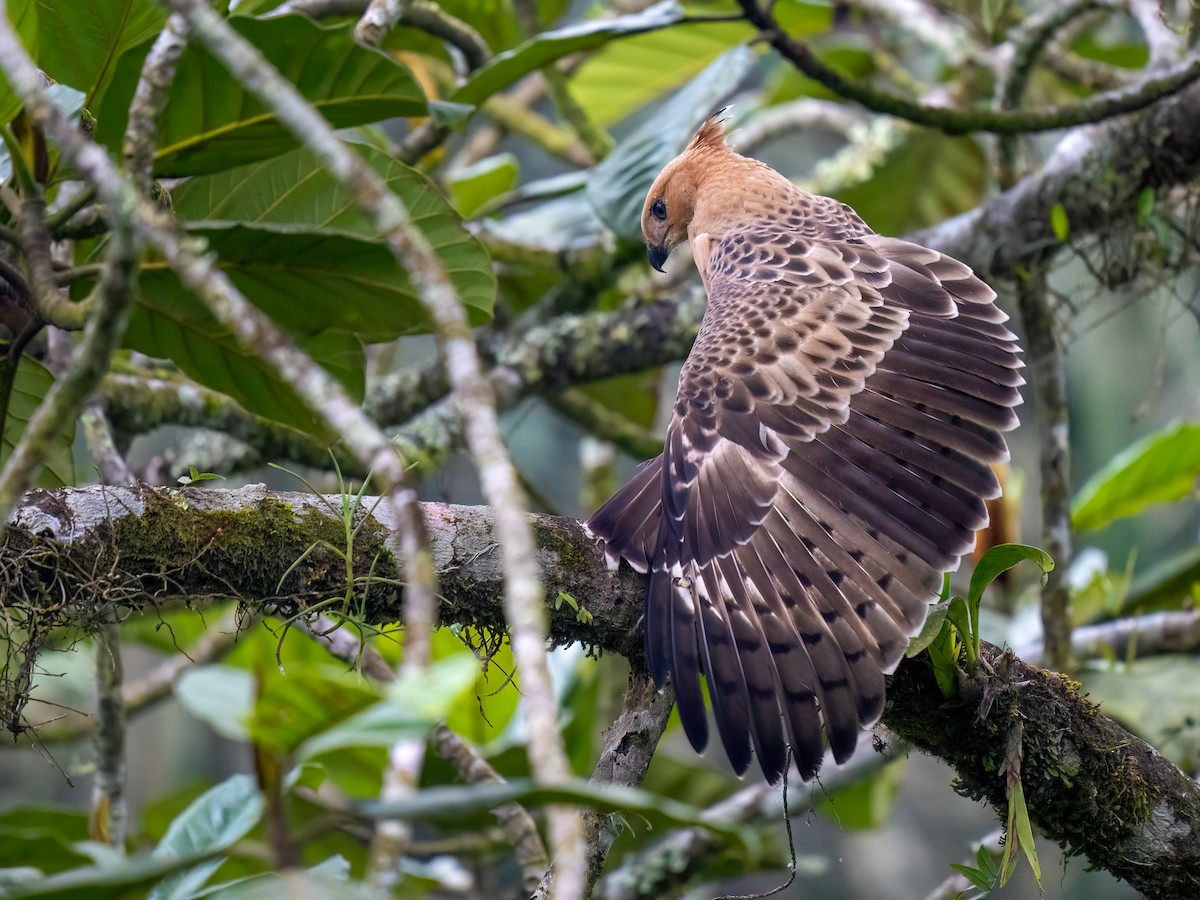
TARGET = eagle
(828,458)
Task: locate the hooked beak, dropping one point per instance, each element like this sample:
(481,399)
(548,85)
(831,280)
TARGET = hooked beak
(658,254)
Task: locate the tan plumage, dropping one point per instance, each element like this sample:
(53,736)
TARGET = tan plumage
(827,460)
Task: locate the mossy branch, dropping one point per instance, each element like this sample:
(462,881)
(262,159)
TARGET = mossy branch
(955,121)
(1090,784)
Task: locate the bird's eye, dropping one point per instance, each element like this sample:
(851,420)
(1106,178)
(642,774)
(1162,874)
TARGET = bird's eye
(658,209)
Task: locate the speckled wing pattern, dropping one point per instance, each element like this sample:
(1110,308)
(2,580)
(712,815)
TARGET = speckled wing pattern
(827,460)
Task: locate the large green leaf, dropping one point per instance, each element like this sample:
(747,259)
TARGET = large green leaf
(1160,468)
(506,69)
(79,43)
(291,708)
(468,802)
(928,178)
(42,838)
(304,223)
(22,15)
(617,187)
(627,74)
(414,703)
(214,821)
(219,695)
(213,123)
(170,323)
(119,879)
(29,390)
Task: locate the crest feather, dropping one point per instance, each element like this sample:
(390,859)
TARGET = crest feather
(711,135)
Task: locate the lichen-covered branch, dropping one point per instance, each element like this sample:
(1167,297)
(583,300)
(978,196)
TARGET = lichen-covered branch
(1089,783)
(1096,108)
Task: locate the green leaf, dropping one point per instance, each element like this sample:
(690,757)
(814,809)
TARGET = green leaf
(70,103)
(79,43)
(415,702)
(311,885)
(977,878)
(185,332)
(448,804)
(293,198)
(221,696)
(32,383)
(212,123)
(291,708)
(629,74)
(22,16)
(1059,223)
(867,802)
(474,187)
(42,838)
(1160,468)
(929,631)
(617,186)
(217,818)
(104,882)
(929,177)
(1000,559)
(506,69)
(281,229)
(1020,818)
(1146,199)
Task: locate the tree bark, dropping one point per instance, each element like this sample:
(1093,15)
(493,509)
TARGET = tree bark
(1089,784)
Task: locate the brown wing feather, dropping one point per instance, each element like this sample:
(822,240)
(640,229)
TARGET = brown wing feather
(827,461)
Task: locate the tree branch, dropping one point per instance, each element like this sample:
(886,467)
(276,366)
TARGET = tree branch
(953,121)
(1089,784)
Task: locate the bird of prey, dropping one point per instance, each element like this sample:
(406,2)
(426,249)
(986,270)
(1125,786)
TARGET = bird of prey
(827,460)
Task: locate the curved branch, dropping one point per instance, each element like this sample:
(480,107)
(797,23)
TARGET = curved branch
(953,121)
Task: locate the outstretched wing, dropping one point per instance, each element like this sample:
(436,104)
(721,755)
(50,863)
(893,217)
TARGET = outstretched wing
(827,460)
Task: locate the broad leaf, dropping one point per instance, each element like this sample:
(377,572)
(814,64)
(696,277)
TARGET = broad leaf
(304,221)
(628,74)
(169,323)
(22,16)
(213,822)
(221,696)
(928,178)
(617,187)
(474,187)
(415,702)
(42,838)
(447,804)
(292,707)
(506,69)
(213,123)
(104,882)
(79,43)
(1160,468)
(29,390)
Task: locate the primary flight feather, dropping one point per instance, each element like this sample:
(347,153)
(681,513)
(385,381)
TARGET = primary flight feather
(828,457)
